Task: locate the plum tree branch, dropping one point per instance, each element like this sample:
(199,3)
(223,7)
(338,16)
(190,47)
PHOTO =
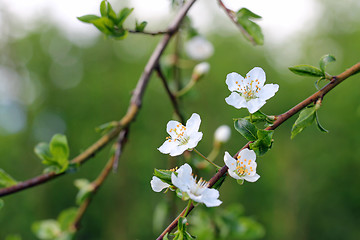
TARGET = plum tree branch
(133,109)
(336,80)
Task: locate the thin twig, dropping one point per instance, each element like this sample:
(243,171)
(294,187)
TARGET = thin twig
(148,33)
(173,99)
(336,80)
(100,179)
(134,106)
(234,19)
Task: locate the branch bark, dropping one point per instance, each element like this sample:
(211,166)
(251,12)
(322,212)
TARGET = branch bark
(336,80)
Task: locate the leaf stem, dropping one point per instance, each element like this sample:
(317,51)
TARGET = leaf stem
(217,166)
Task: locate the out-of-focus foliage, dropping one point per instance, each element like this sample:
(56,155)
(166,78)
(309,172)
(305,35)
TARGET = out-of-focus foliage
(308,187)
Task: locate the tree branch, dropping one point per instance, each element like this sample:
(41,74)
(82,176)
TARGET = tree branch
(336,80)
(134,106)
(148,33)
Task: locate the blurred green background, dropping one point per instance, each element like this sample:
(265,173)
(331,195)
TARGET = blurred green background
(309,186)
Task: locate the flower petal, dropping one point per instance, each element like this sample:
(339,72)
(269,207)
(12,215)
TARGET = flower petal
(157,185)
(247,154)
(193,124)
(230,162)
(236,100)
(210,197)
(176,151)
(172,125)
(256,73)
(253,178)
(254,104)
(268,91)
(231,80)
(168,146)
(194,139)
(184,178)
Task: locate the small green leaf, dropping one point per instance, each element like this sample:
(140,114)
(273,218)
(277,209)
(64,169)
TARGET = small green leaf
(219,182)
(66,218)
(59,148)
(106,127)
(166,236)
(6,180)
(139,27)
(240,181)
(263,143)
(104,24)
(246,128)
(1,203)
(325,60)
(46,229)
(164,175)
(88,18)
(85,190)
(306,70)
(111,13)
(321,128)
(103,9)
(251,28)
(42,150)
(124,13)
(306,118)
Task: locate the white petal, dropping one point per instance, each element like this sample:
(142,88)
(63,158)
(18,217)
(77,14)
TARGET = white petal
(172,125)
(253,178)
(256,73)
(230,162)
(193,124)
(176,151)
(157,185)
(247,154)
(231,80)
(268,91)
(236,100)
(167,146)
(194,140)
(254,104)
(233,174)
(210,197)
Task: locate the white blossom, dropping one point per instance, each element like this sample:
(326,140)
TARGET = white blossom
(202,68)
(198,48)
(249,92)
(197,191)
(244,167)
(182,137)
(222,133)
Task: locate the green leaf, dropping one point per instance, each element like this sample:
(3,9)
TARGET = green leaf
(246,128)
(42,150)
(139,27)
(59,148)
(219,182)
(305,119)
(85,190)
(166,236)
(325,60)
(111,13)
(321,128)
(240,181)
(88,18)
(124,13)
(103,9)
(306,70)
(106,127)
(263,143)
(104,24)
(164,175)
(6,180)
(66,218)
(251,28)
(1,203)
(46,229)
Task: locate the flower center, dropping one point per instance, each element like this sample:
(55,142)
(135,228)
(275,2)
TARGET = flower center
(180,133)
(248,90)
(243,167)
(198,188)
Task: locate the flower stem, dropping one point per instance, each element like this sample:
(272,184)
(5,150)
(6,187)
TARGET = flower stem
(188,207)
(186,88)
(218,167)
(251,118)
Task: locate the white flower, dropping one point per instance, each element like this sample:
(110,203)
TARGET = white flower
(157,185)
(222,133)
(198,48)
(202,68)
(197,191)
(182,137)
(244,167)
(249,92)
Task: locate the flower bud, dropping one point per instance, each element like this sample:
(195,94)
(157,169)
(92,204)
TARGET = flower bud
(202,68)
(222,133)
(198,48)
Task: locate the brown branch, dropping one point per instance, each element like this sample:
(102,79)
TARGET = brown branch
(234,19)
(173,99)
(129,117)
(100,179)
(336,80)
(148,33)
